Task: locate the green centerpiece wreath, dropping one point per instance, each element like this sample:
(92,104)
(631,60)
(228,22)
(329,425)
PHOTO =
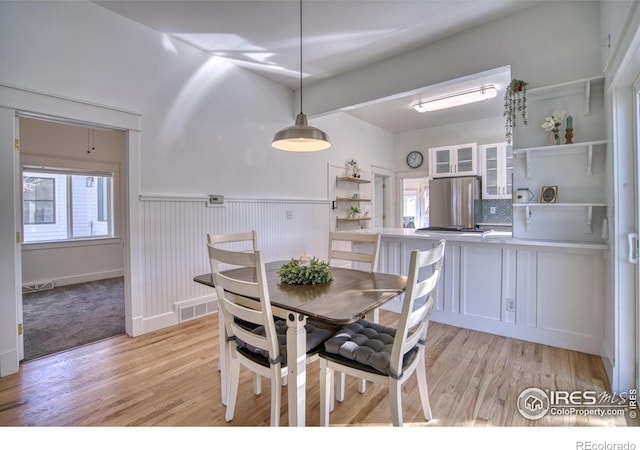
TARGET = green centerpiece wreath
(311,271)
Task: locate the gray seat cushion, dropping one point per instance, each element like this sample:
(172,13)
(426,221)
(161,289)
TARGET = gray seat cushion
(315,337)
(367,344)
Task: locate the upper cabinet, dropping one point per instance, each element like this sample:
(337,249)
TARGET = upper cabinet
(453,160)
(497,170)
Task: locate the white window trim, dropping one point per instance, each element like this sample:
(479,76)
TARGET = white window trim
(34,162)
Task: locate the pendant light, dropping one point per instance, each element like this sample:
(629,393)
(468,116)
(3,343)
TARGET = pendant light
(301,137)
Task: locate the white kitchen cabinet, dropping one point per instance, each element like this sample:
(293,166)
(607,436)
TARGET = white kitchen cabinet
(496,161)
(546,292)
(453,160)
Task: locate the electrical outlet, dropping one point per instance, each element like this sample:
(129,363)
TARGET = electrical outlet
(492,210)
(511,305)
(289,215)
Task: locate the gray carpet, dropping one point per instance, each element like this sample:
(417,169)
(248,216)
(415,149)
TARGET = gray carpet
(70,316)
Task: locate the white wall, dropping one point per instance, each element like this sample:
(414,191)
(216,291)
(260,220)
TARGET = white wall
(545,44)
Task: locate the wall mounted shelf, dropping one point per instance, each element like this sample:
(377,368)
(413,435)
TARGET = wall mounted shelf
(575,86)
(351,199)
(555,150)
(587,206)
(350,219)
(352,180)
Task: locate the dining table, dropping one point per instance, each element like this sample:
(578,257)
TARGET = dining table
(349,296)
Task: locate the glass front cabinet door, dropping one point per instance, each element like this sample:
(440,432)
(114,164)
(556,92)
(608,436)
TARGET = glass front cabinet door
(497,170)
(453,160)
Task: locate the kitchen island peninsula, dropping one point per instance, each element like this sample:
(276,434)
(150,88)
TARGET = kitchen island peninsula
(547,292)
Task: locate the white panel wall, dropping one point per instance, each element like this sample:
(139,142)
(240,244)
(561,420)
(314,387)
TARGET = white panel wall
(174,240)
(557,292)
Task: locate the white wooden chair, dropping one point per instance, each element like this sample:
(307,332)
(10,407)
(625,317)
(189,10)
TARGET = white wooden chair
(403,352)
(365,251)
(247,240)
(261,349)
(358,248)
(243,241)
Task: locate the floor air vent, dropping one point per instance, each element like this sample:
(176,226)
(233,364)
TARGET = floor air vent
(198,310)
(35,287)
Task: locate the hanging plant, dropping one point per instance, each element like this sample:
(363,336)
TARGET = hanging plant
(515,103)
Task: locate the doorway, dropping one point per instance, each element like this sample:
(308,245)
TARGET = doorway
(72,253)
(14,102)
(415,202)
(381,196)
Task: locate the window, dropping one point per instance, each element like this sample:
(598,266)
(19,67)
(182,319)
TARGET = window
(66,204)
(39,194)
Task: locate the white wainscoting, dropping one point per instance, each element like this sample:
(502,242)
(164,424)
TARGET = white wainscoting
(174,241)
(552,295)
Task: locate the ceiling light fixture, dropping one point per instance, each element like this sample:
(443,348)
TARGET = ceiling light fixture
(301,137)
(456,99)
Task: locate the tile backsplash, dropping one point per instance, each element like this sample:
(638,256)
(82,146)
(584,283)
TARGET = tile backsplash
(503,211)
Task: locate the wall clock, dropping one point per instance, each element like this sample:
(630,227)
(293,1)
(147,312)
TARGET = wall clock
(414,159)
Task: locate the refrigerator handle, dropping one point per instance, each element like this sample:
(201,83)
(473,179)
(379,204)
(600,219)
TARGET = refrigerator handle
(470,203)
(632,240)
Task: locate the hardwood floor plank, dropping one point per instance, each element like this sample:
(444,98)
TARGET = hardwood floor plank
(170,378)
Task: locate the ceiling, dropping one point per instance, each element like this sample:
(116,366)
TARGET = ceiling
(337,37)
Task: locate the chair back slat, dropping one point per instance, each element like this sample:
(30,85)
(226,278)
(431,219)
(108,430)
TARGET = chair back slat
(238,242)
(414,320)
(249,238)
(338,251)
(247,300)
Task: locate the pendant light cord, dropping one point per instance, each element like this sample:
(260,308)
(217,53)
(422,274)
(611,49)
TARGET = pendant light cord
(300,56)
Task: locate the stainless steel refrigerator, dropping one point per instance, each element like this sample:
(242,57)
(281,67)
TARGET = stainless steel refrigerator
(454,202)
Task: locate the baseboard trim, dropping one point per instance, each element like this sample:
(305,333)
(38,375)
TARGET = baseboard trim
(9,363)
(160,321)
(82,278)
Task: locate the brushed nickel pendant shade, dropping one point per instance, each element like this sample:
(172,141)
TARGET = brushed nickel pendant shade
(301,137)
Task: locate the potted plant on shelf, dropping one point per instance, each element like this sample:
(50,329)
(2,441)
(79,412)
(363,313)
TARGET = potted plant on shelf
(515,103)
(354,212)
(353,170)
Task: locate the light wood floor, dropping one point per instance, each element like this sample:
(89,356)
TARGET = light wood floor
(169,378)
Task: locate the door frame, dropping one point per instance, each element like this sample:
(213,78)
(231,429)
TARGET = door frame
(624,220)
(14,101)
(388,176)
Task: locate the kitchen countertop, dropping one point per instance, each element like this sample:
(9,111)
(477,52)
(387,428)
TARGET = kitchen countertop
(491,237)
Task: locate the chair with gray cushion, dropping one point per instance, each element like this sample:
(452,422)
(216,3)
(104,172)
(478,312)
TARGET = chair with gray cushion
(386,355)
(240,241)
(261,348)
(361,251)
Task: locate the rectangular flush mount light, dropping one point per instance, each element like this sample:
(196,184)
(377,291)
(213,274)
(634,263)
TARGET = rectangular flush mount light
(456,99)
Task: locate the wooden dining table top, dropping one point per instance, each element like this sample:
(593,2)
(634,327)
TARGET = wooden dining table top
(350,295)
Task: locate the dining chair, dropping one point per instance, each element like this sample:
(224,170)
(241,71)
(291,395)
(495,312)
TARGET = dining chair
(358,249)
(245,241)
(261,349)
(384,355)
